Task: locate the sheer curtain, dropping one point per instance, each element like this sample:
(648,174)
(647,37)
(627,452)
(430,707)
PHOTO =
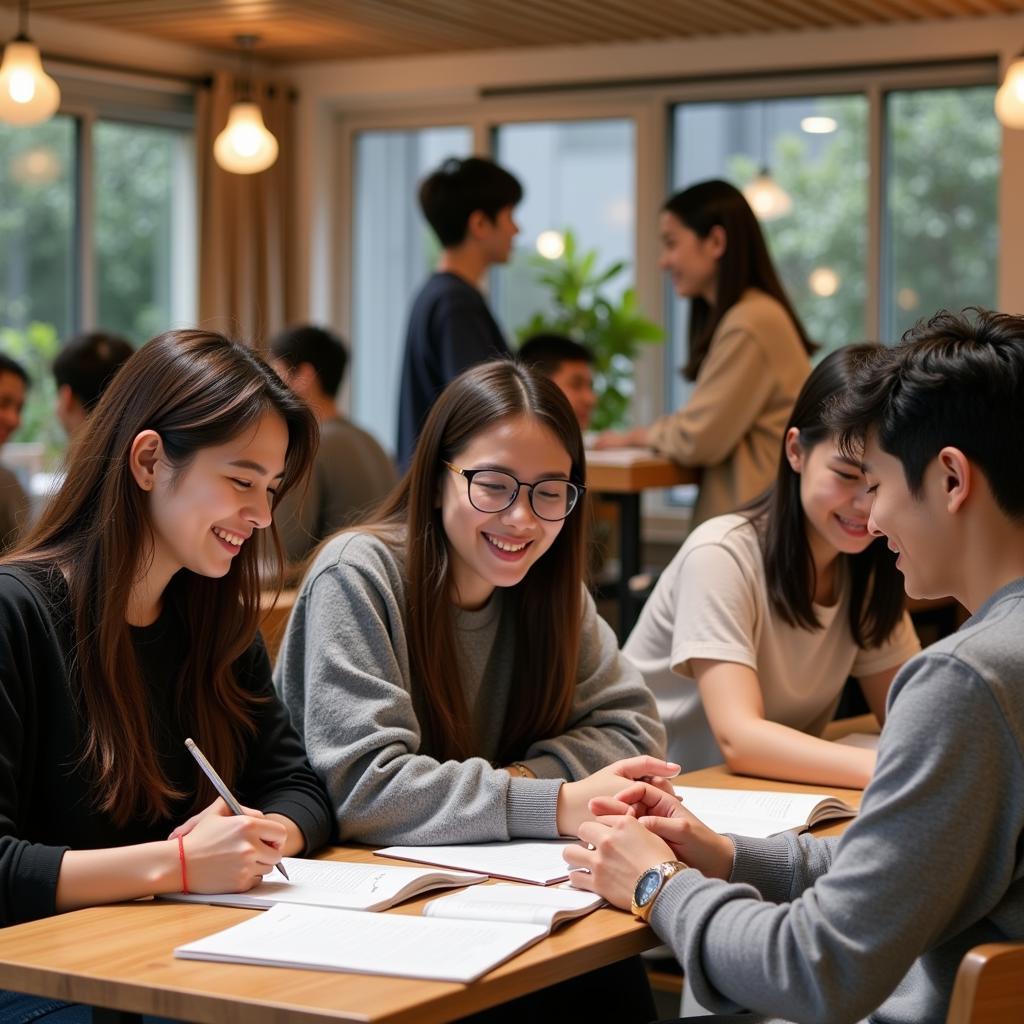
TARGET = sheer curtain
(246,236)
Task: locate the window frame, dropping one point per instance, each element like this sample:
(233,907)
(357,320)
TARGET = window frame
(89,96)
(651,109)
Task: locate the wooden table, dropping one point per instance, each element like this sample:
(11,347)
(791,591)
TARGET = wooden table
(621,475)
(121,957)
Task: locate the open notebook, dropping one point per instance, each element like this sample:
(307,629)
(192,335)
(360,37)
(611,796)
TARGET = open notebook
(333,883)
(455,940)
(751,812)
(522,860)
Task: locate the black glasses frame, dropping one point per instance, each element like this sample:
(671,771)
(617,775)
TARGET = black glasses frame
(520,484)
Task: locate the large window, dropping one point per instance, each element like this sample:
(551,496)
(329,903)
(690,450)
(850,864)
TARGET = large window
(394,251)
(942,180)
(144,236)
(938,178)
(820,246)
(97,229)
(37,224)
(577,176)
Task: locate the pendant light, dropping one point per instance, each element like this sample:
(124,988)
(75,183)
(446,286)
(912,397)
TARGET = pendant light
(28,94)
(245,146)
(1010,96)
(767,198)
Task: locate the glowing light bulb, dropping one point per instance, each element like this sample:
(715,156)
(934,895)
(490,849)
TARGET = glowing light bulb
(767,198)
(28,94)
(823,281)
(550,244)
(245,146)
(819,125)
(1009,102)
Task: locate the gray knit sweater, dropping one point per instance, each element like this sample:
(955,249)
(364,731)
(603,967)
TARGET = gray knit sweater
(876,922)
(343,671)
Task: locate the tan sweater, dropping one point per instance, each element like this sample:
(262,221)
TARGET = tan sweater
(732,426)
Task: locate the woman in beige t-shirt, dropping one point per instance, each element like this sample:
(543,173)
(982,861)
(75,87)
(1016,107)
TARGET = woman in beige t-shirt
(748,349)
(756,624)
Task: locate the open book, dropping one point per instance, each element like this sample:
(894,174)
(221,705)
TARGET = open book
(333,883)
(522,860)
(444,945)
(757,813)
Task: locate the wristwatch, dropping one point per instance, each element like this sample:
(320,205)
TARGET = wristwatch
(650,883)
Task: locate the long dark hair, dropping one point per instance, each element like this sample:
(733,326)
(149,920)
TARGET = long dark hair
(547,604)
(196,390)
(744,264)
(876,587)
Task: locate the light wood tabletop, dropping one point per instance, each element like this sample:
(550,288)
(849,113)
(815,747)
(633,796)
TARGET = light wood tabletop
(631,470)
(121,957)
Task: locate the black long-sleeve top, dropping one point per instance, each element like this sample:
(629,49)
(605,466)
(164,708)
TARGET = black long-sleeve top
(46,803)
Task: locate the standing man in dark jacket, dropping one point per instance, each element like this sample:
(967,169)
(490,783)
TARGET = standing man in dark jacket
(469,204)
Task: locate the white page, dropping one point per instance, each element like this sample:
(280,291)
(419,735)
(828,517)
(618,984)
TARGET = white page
(521,860)
(749,812)
(332,883)
(350,940)
(514,903)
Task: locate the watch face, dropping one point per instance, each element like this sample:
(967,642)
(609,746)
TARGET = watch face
(647,886)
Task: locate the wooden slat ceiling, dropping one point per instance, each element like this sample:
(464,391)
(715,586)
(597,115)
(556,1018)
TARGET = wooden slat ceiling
(296,30)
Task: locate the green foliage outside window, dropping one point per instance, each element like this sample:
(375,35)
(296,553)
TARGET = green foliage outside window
(612,329)
(941,219)
(35,348)
(134,170)
(133,188)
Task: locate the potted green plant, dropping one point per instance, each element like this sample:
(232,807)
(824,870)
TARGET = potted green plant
(613,329)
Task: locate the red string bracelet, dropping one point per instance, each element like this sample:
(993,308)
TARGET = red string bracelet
(181,857)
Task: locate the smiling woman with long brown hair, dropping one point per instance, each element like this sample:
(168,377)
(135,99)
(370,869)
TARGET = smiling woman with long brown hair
(128,621)
(445,664)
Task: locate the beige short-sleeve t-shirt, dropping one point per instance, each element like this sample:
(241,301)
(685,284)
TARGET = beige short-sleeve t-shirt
(712,603)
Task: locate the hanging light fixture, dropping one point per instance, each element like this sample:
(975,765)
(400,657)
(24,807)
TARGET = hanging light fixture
(245,146)
(1010,95)
(28,94)
(767,198)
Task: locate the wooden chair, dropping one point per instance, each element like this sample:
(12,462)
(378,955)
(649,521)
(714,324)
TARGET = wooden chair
(989,987)
(274,618)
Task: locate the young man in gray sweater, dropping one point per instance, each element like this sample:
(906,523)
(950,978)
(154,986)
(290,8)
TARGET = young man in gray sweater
(874,924)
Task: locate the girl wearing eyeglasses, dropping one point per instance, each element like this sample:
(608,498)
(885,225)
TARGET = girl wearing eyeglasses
(444,663)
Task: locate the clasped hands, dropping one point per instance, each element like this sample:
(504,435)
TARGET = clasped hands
(642,825)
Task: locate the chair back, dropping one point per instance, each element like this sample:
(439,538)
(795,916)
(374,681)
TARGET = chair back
(274,619)
(989,986)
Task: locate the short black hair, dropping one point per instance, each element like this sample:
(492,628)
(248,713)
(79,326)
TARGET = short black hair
(322,349)
(87,364)
(460,187)
(547,352)
(957,380)
(8,365)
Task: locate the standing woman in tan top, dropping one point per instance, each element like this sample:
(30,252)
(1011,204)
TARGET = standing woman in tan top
(748,351)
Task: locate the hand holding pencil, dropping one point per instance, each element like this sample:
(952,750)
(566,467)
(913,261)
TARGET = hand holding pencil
(218,784)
